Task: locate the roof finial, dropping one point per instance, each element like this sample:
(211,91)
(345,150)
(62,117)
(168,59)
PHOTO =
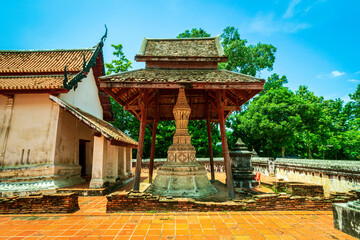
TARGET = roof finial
(105,35)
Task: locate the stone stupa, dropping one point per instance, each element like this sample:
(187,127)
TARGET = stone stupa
(182,175)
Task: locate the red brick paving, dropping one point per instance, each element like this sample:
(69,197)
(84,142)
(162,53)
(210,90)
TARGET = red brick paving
(92,222)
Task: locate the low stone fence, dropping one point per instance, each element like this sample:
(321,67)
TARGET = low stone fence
(333,175)
(218,163)
(142,202)
(53,203)
(295,188)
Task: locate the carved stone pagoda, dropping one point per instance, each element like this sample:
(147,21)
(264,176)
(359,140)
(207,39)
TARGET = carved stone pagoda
(182,175)
(186,66)
(241,167)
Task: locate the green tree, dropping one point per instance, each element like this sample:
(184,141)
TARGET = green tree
(313,121)
(243,58)
(194,33)
(274,81)
(123,119)
(270,122)
(121,64)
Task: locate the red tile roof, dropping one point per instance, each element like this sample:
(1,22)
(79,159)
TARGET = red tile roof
(42,61)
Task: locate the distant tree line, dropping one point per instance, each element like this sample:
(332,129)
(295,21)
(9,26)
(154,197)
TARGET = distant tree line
(277,122)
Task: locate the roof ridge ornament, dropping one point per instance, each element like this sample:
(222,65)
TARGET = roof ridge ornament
(73,83)
(65,77)
(84,62)
(103,38)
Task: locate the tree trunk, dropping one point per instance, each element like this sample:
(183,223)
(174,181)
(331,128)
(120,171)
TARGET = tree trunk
(309,149)
(283,151)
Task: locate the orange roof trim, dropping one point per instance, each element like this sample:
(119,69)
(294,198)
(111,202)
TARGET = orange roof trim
(32,82)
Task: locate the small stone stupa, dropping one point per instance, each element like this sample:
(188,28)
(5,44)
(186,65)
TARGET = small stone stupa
(241,166)
(182,175)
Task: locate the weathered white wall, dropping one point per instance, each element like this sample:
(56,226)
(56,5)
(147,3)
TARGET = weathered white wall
(31,135)
(39,143)
(85,96)
(332,183)
(70,131)
(3,101)
(5,115)
(333,175)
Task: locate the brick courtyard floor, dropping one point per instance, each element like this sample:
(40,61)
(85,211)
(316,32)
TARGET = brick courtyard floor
(92,222)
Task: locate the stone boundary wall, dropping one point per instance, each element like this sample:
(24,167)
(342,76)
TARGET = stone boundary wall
(158,162)
(333,175)
(53,203)
(142,202)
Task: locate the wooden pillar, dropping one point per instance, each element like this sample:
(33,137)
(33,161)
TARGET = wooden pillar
(225,147)
(211,154)
(153,138)
(152,151)
(143,107)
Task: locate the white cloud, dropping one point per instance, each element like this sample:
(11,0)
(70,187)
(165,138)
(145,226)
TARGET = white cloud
(290,10)
(336,74)
(353,80)
(346,99)
(312,5)
(267,24)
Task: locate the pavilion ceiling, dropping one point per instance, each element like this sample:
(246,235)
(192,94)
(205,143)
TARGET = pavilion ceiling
(165,99)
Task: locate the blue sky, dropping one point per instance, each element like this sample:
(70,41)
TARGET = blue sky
(317,40)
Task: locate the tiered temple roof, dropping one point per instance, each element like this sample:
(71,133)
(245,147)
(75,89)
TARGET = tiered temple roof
(190,63)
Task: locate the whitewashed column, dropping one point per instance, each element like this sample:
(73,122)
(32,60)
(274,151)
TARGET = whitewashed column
(122,163)
(98,168)
(111,159)
(128,161)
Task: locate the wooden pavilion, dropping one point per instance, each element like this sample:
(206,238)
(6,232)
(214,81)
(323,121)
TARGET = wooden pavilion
(172,64)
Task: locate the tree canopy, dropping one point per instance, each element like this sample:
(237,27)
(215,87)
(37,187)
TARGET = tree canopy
(194,33)
(244,58)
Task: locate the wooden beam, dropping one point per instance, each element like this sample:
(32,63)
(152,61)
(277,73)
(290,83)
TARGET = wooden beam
(238,86)
(243,95)
(143,103)
(225,147)
(121,93)
(227,108)
(153,138)
(231,97)
(131,99)
(208,126)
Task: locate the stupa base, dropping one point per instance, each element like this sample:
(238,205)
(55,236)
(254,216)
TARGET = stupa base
(186,180)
